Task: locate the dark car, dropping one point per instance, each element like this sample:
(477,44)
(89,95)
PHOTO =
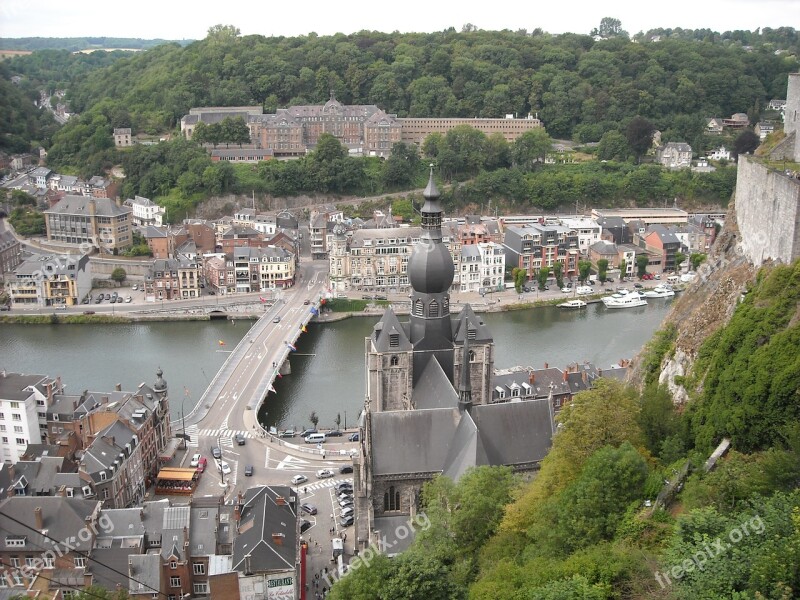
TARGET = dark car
(354,437)
(344,486)
(346,521)
(248,470)
(306,301)
(308,508)
(334,433)
(99,299)
(380,297)
(345,469)
(305,526)
(307,432)
(240,440)
(216,452)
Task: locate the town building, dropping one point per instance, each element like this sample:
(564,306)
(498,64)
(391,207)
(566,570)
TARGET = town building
(531,247)
(24,400)
(650,216)
(414,130)
(482,267)
(736,121)
(661,244)
(99,222)
(10,252)
(172,279)
(764,128)
(588,231)
(145,211)
(720,153)
(242,155)
(674,155)
(253,270)
(51,281)
(122,137)
(113,468)
(603,250)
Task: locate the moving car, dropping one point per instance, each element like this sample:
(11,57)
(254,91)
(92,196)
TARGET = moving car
(307,302)
(276,320)
(345,469)
(88,312)
(248,470)
(240,439)
(324,473)
(308,508)
(201,465)
(195,460)
(224,467)
(354,437)
(216,452)
(287,434)
(299,479)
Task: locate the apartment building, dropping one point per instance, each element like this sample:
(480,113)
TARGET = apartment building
(99,222)
(172,279)
(51,281)
(24,400)
(482,267)
(145,211)
(10,252)
(531,247)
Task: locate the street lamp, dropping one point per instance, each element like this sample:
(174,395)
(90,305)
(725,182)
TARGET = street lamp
(221,462)
(183,419)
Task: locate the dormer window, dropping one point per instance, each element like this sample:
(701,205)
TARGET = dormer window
(394,340)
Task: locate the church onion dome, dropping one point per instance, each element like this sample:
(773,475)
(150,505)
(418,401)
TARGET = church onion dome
(430,268)
(160,385)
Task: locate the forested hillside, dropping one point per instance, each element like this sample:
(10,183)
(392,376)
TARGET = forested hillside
(74,44)
(584,528)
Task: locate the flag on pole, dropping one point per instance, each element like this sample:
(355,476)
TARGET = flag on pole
(292,348)
(303,328)
(272,389)
(221,343)
(278,373)
(314,310)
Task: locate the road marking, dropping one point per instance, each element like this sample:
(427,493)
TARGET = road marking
(266,460)
(292,463)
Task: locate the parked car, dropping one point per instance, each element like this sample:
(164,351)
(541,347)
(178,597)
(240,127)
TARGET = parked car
(380,297)
(248,470)
(354,437)
(216,452)
(134,287)
(88,312)
(288,433)
(345,496)
(299,479)
(345,469)
(335,433)
(346,521)
(202,464)
(346,512)
(240,439)
(99,299)
(128,299)
(195,460)
(224,467)
(119,299)
(308,508)
(305,525)
(346,503)
(307,432)
(344,486)
(324,473)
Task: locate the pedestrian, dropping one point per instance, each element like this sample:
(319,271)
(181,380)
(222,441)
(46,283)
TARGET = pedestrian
(344,536)
(316,575)
(323,455)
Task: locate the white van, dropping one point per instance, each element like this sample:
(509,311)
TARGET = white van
(315,438)
(583,290)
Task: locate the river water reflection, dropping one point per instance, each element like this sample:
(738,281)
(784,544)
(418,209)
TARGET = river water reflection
(327,369)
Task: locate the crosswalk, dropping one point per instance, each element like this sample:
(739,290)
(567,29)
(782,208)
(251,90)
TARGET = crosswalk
(224,435)
(322,484)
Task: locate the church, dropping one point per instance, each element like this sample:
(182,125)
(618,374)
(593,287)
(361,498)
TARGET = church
(428,406)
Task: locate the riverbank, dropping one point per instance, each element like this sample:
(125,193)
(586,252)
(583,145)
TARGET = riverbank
(82,319)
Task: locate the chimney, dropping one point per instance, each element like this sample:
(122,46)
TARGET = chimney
(104,400)
(546,365)
(277,538)
(280,501)
(599,372)
(118,387)
(237,514)
(583,376)
(37,514)
(92,207)
(531,377)
(566,375)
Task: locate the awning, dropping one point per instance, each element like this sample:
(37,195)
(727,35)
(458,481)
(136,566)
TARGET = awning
(169,450)
(176,474)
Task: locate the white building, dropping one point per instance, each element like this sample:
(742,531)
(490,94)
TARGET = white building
(493,264)
(720,154)
(23,411)
(146,212)
(587,229)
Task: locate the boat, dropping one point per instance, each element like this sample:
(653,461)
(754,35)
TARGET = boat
(573,304)
(621,295)
(629,301)
(660,291)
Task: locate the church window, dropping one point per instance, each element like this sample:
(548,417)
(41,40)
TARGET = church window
(394,340)
(391,499)
(471,356)
(433,309)
(394,361)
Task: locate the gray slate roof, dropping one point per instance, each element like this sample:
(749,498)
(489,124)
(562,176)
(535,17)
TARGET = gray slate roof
(433,389)
(79,205)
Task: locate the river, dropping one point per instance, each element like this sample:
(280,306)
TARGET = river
(327,369)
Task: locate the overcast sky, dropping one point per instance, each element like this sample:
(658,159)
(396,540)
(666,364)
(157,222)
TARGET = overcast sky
(174,19)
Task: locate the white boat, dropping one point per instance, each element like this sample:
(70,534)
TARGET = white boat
(629,301)
(621,295)
(660,291)
(573,304)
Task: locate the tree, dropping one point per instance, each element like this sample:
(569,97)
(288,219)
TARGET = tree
(338,420)
(613,146)
(602,269)
(584,267)
(531,148)
(558,271)
(623,269)
(639,134)
(314,419)
(609,28)
(745,143)
(679,258)
(696,258)
(642,260)
(542,276)
(519,279)
(118,274)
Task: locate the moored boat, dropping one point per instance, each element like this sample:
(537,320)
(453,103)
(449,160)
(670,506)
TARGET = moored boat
(629,301)
(573,304)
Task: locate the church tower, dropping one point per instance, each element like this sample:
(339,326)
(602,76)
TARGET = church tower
(430,273)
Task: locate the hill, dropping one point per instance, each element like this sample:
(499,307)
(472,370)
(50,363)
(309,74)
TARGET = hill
(75,44)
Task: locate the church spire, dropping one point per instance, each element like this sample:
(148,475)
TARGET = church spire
(465,389)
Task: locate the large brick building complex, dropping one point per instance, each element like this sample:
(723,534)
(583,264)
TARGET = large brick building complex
(363,128)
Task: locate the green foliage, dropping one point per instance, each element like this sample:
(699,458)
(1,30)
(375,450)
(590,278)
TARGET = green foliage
(558,272)
(642,260)
(696,259)
(119,275)
(680,257)
(654,352)
(27,222)
(657,417)
(755,550)
(639,133)
(542,275)
(20,121)
(623,268)
(530,149)
(345,305)
(602,269)
(584,267)
(750,369)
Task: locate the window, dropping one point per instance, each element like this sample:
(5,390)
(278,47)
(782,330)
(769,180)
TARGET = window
(395,360)
(18,429)
(2,416)
(28,561)
(106,495)
(391,499)
(14,559)
(175,582)
(200,588)
(15,405)
(21,442)
(103,476)
(80,562)
(16,417)
(2,427)
(49,561)
(199,568)
(173,565)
